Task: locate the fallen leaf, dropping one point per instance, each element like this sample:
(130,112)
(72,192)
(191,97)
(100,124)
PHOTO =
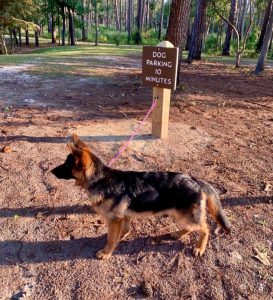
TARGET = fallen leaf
(261,256)
(6,149)
(267,187)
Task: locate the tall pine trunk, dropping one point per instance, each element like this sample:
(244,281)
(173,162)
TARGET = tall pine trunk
(232,19)
(63,29)
(107,13)
(264,26)
(71,27)
(36,37)
(130,19)
(14,32)
(265,46)
(19,36)
(161,20)
(27,37)
(198,30)
(96,24)
(140,11)
(178,27)
(242,18)
(84,33)
(53,29)
(117,14)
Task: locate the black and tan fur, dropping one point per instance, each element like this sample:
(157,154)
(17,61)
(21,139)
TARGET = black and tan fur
(120,195)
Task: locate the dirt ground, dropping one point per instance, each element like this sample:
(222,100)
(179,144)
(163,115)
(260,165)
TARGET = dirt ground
(221,130)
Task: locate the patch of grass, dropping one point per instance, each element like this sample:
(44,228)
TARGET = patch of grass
(58,53)
(90,50)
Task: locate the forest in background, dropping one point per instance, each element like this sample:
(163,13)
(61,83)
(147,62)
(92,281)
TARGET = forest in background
(229,27)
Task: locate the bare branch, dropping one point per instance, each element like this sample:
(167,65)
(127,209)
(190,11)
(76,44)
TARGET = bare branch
(225,19)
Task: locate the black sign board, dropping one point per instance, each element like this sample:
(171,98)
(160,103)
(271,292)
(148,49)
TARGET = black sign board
(159,67)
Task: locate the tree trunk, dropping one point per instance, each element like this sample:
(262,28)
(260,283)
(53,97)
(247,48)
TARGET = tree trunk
(20,36)
(84,33)
(220,35)
(198,30)
(125,15)
(130,17)
(178,27)
(161,20)
(242,18)
(36,37)
(71,28)
(265,46)
(53,29)
(96,23)
(140,9)
(63,30)
(206,33)
(59,28)
(3,47)
(27,37)
(188,41)
(14,32)
(232,19)
(120,15)
(271,41)
(107,13)
(117,14)
(264,26)
(147,14)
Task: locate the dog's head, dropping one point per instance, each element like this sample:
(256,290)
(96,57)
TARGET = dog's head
(79,164)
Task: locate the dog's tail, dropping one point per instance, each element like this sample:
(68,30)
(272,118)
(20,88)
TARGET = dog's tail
(214,206)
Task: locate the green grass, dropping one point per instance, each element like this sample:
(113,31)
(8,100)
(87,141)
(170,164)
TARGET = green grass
(68,52)
(83,59)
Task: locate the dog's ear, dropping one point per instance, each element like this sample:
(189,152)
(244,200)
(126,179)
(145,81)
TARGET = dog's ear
(82,157)
(69,146)
(75,140)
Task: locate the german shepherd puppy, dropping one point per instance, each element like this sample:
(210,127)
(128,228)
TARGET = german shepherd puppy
(120,195)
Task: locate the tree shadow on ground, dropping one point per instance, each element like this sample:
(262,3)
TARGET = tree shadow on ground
(97,138)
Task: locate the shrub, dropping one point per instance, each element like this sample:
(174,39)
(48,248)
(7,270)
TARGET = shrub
(211,43)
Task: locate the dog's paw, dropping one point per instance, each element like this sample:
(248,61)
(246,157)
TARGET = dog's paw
(198,251)
(102,255)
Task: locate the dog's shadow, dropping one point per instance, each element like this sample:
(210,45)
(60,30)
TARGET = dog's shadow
(13,252)
(17,251)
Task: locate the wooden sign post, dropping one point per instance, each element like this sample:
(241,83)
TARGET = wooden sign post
(159,66)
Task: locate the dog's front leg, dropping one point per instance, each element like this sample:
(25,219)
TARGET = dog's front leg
(113,237)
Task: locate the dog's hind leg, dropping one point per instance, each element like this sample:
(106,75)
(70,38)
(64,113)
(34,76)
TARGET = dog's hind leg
(113,237)
(126,226)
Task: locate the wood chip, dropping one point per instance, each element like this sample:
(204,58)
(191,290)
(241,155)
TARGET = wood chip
(261,256)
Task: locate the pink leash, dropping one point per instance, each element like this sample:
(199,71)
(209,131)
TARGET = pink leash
(135,132)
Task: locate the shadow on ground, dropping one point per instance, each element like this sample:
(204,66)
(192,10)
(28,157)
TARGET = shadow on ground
(98,138)
(17,251)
